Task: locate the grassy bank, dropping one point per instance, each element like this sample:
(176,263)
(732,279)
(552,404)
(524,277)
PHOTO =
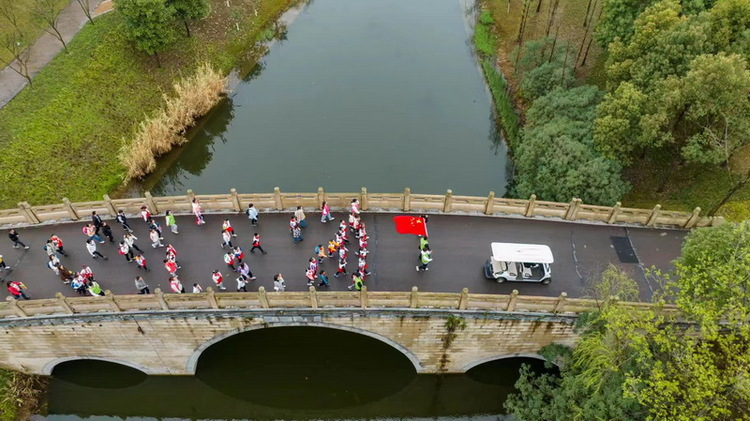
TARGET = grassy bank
(20,395)
(62,136)
(485,42)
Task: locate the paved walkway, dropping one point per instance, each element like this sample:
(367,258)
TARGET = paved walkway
(46,47)
(461,245)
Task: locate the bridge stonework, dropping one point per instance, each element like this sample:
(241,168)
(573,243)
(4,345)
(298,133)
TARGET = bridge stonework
(170,343)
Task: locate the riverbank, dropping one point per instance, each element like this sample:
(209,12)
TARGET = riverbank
(20,395)
(62,136)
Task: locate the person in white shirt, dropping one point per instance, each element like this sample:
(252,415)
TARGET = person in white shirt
(278,283)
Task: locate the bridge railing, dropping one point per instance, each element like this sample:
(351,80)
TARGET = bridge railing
(415,299)
(382,202)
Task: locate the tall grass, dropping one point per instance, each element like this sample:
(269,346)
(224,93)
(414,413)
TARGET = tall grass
(19,394)
(195,96)
(486,45)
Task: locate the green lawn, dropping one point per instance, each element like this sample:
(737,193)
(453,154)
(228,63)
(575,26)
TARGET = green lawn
(27,22)
(61,137)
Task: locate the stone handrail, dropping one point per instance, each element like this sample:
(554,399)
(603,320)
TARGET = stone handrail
(13,309)
(383,202)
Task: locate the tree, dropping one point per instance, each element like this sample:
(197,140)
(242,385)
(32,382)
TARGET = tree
(148,24)
(186,10)
(713,274)
(556,159)
(729,23)
(617,127)
(47,12)
(20,52)
(617,20)
(86,7)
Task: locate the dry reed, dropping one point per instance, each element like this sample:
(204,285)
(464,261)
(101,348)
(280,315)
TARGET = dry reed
(195,96)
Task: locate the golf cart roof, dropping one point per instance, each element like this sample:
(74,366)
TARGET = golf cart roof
(525,253)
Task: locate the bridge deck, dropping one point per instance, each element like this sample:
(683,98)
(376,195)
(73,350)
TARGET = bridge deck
(461,245)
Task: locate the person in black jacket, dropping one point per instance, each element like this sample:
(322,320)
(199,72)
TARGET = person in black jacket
(97,221)
(107,231)
(13,235)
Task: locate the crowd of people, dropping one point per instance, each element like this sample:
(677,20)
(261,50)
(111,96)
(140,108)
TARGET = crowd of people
(99,232)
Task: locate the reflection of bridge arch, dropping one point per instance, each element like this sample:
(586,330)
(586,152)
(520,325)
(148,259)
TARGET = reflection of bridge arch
(50,366)
(192,362)
(477,363)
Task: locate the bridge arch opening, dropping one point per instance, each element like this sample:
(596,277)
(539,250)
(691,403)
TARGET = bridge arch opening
(305,366)
(85,371)
(498,369)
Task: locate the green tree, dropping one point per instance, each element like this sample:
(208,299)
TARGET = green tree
(729,23)
(617,20)
(556,159)
(187,10)
(544,65)
(149,24)
(617,127)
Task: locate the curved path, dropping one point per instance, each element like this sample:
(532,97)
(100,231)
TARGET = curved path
(460,247)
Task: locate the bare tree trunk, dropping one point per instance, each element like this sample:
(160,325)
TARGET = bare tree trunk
(553,11)
(158,60)
(86,9)
(539,7)
(730,193)
(187,28)
(59,36)
(586,54)
(585,19)
(554,44)
(565,64)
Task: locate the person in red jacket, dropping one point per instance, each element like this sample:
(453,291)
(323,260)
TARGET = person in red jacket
(256,244)
(17,290)
(218,279)
(171,267)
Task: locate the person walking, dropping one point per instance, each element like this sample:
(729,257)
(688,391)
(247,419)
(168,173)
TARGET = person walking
(242,283)
(130,240)
(171,267)
(227,226)
(54,265)
(423,242)
(357,282)
(320,252)
(198,212)
(332,247)
(297,234)
(154,225)
(51,249)
(59,244)
(238,254)
(176,285)
(252,214)
(278,283)
(299,215)
(94,289)
(90,232)
(3,266)
(341,268)
(155,239)
(229,260)
(141,261)
(355,207)
(226,239)
(244,269)
(146,214)
(141,286)
(425,258)
(107,231)
(17,290)
(87,273)
(170,221)
(218,279)
(310,275)
(171,254)
(325,213)
(323,278)
(126,251)
(197,289)
(14,237)
(123,220)
(66,275)
(91,247)
(256,244)
(97,221)
(78,285)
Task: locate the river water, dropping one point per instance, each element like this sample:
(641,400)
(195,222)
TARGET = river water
(384,94)
(286,373)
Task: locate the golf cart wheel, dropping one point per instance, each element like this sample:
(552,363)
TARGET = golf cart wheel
(500,280)
(546,281)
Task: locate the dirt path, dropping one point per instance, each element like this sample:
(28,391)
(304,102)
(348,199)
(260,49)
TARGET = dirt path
(46,47)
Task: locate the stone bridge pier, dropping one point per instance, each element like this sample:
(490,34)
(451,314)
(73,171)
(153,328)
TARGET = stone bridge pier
(171,342)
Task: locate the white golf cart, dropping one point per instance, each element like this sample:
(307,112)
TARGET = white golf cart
(519,262)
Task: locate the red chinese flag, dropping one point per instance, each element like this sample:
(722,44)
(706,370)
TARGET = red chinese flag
(410,225)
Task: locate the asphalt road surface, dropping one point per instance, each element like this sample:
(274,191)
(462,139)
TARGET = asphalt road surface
(460,244)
